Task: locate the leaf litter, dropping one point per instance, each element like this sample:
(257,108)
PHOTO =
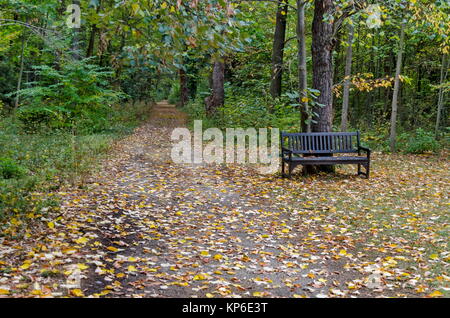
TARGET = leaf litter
(146,227)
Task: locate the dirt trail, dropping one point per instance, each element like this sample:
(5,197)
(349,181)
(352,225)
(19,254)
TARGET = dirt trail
(190,230)
(146,227)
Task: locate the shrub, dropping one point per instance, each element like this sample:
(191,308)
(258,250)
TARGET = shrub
(9,169)
(174,95)
(33,119)
(77,94)
(420,141)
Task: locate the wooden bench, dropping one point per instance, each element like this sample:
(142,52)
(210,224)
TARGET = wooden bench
(319,149)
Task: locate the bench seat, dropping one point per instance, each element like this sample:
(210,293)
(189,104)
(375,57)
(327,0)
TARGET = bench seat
(330,160)
(321,149)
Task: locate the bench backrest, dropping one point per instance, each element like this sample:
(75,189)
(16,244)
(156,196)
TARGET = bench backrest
(326,142)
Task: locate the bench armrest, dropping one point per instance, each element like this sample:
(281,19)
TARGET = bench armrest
(367,150)
(284,149)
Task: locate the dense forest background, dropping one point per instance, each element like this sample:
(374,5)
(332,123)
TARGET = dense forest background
(75,75)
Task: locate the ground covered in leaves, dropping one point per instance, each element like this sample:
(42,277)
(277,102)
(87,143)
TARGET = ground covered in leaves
(145,227)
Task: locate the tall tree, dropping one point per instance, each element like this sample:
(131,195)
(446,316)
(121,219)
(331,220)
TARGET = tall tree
(76,34)
(19,78)
(348,70)
(441,93)
(93,33)
(393,132)
(305,115)
(278,48)
(322,55)
(184,88)
(217,97)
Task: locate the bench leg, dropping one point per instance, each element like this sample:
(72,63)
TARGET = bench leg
(282,169)
(291,167)
(367,167)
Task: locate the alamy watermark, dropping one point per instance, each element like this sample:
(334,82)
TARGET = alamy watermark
(73,21)
(242,146)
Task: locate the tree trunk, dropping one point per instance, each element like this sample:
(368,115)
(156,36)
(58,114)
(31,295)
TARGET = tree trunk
(278,49)
(184,89)
(19,79)
(322,56)
(76,37)
(90,49)
(441,93)
(348,70)
(94,29)
(217,98)
(322,49)
(305,116)
(393,133)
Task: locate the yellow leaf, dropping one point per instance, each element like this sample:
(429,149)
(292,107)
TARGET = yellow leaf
(4,292)
(285,230)
(135,8)
(434,256)
(82,266)
(120,275)
(209,295)
(112,248)
(164,5)
(218,257)
(257,294)
(81,240)
(51,225)
(131,268)
(305,99)
(25,266)
(77,293)
(436,293)
(69,251)
(204,253)
(342,252)
(199,277)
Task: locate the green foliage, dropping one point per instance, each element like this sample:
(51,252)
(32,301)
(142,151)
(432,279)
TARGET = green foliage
(38,118)
(32,166)
(419,142)
(10,169)
(77,97)
(174,94)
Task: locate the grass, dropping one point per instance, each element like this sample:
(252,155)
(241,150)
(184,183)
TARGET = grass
(37,165)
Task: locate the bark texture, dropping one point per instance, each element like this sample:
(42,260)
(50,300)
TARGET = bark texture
(305,122)
(184,89)
(278,49)
(348,71)
(217,98)
(393,132)
(322,49)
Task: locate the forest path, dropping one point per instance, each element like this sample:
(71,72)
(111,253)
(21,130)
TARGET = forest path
(146,227)
(178,230)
